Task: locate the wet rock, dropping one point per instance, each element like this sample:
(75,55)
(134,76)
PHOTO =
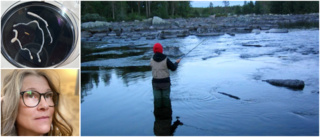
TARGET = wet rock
(289,83)
(264,28)
(135,37)
(106,38)
(94,39)
(256,31)
(165,34)
(85,34)
(212,16)
(117,31)
(209,34)
(96,24)
(158,21)
(278,31)
(251,45)
(245,56)
(99,35)
(307,51)
(147,21)
(212,56)
(99,30)
(173,51)
(112,33)
(151,36)
(231,34)
(216,53)
(243,30)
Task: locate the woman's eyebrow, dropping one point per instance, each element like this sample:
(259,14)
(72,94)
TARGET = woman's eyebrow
(33,89)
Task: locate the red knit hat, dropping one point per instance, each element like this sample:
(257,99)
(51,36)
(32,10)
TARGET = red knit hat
(157,48)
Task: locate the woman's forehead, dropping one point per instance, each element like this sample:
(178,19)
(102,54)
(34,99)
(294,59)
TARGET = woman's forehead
(35,82)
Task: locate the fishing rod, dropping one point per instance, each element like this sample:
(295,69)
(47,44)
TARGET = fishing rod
(193,48)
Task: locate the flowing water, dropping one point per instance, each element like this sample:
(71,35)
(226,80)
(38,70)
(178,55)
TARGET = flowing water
(117,96)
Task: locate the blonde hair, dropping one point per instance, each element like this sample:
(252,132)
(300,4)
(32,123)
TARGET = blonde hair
(10,103)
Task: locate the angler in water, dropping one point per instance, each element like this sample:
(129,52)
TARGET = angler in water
(160,66)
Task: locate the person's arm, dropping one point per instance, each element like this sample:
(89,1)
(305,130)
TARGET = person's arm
(172,66)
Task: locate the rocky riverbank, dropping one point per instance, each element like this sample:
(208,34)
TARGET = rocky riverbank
(157,28)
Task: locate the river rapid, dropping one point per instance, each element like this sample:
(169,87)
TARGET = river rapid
(117,97)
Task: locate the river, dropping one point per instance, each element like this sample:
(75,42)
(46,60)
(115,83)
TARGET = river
(117,97)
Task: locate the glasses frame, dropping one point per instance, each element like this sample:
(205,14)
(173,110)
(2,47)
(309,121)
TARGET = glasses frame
(55,102)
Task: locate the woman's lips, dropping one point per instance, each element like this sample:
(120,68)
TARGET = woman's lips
(42,118)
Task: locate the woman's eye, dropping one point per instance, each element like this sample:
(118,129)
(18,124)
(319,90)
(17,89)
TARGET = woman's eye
(30,94)
(49,95)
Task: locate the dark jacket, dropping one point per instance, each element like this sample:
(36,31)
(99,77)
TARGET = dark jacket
(158,57)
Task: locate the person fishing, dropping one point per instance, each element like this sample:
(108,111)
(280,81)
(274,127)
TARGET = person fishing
(160,65)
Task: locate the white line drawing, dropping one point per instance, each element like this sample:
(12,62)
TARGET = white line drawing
(16,39)
(35,15)
(26,24)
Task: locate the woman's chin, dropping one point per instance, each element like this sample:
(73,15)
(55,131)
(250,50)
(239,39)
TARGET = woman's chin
(42,130)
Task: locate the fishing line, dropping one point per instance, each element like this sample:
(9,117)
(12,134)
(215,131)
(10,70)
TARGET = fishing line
(193,48)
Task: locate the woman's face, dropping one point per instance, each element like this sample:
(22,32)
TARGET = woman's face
(36,120)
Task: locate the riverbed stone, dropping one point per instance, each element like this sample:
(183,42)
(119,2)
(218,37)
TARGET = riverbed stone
(99,35)
(94,39)
(85,34)
(173,51)
(158,21)
(199,26)
(278,31)
(96,24)
(289,83)
(251,45)
(165,34)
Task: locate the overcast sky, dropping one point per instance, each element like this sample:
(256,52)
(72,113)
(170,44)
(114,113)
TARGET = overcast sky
(204,4)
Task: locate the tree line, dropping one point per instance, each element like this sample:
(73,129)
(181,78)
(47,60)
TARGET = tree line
(132,10)
(139,10)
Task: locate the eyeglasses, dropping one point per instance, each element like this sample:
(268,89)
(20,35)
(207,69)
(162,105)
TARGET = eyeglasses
(32,98)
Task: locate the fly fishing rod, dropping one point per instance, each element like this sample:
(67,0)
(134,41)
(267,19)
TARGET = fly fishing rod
(193,48)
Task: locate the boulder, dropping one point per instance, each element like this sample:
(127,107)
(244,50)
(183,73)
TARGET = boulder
(151,36)
(96,24)
(165,34)
(289,83)
(278,31)
(251,45)
(172,51)
(135,37)
(231,34)
(85,34)
(245,56)
(94,39)
(158,21)
(243,30)
(99,35)
(256,31)
(209,34)
(147,21)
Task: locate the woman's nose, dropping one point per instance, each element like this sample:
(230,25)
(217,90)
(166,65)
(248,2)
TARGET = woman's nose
(43,105)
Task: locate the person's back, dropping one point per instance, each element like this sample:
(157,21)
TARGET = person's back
(160,66)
